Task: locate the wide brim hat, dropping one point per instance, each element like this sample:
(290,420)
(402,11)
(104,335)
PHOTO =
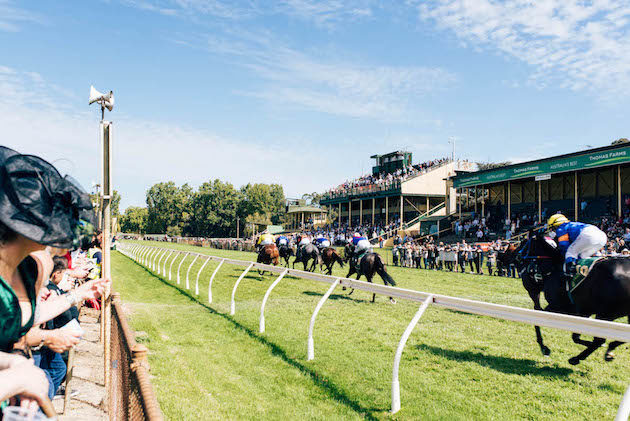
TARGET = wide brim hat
(37,202)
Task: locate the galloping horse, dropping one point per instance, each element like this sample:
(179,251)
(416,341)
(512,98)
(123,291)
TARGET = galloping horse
(605,292)
(505,258)
(329,257)
(369,264)
(285,253)
(309,252)
(268,255)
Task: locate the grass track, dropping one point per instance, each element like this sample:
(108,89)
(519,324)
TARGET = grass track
(209,365)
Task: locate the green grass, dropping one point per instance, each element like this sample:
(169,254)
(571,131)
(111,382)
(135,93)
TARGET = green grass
(209,365)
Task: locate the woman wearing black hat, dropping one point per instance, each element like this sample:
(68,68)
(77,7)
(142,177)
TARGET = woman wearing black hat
(38,208)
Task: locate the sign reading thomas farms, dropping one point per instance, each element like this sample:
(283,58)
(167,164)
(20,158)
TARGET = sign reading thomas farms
(552,166)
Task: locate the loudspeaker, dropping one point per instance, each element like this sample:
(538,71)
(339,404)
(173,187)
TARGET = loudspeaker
(106,100)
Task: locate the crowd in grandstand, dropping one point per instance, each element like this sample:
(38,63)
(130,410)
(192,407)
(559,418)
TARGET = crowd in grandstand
(49,266)
(386,180)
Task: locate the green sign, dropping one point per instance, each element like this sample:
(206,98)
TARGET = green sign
(552,166)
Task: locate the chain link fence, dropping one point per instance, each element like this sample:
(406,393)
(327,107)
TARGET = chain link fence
(131,394)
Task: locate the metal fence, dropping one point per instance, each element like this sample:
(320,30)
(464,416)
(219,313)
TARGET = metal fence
(149,256)
(131,395)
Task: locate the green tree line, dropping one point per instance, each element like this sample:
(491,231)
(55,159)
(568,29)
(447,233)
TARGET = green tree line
(211,211)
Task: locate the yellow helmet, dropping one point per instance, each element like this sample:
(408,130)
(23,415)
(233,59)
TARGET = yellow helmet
(557,220)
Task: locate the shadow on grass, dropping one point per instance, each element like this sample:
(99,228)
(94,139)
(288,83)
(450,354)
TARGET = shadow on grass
(502,364)
(334,296)
(318,379)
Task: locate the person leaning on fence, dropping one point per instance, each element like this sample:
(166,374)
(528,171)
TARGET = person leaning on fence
(38,208)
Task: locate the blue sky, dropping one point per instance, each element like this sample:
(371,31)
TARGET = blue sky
(302,92)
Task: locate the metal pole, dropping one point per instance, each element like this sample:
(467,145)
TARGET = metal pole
(237,227)
(509,200)
(373,206)
(349,213)
(311,344)
(619,191)
(624,409)
(261,325)
(238,281)
(360,211)
(540,202)
(401,211)
(106,133)
(212,279)
(575,193)
(387,210)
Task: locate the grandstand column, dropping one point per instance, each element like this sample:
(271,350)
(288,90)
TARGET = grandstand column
(360,211)
(339,214)
(386,210)
(427,205)
(483,203)
(349,213)
(401,211)
(575,195)
(540,202)
(458,192)
(302,220)
(509,201)
(475,199)
(619,191)
(373,206)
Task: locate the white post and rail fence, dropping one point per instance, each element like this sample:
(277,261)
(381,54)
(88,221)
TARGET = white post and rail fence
(582,325)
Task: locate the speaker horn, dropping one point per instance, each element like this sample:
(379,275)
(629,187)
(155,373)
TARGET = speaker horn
(106,100)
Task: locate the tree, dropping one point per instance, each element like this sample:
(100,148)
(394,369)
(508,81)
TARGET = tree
(167,206)
(214,210)
(134,220)
(263,199)
(115,205)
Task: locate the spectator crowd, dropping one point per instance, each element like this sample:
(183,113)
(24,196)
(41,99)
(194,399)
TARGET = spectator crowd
(49,267)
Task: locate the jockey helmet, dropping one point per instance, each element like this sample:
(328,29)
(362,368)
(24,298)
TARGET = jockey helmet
(557,220)
(356,234)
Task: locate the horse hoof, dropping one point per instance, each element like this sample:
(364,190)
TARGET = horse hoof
(609,356)
(574,361)
(546,351)
(391,300)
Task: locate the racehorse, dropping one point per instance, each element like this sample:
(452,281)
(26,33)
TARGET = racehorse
(329,257)
(505,258)
(308,252)
(369,264)
(268,255)
(285,253)
(605,292)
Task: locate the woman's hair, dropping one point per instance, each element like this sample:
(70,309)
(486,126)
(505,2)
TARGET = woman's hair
(6,234)
(60,264)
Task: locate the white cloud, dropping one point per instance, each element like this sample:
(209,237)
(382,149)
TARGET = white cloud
(11,16)
(145,152)
(578,45)
(331,85)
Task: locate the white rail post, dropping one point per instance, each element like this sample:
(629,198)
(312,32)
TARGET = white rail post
(153,257)
(134,249)
(145,251)
(145,262)
(149,257)
(168,256)
(199,273)
(180,265)
(159,263)
(238,281)
(170,268)
(624,409)
(212,279)
(310,354)
(264,301)
(188,271)
(399,351)
(156,261)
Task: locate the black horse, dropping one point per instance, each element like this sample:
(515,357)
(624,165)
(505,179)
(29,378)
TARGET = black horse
(329,257)
(285,253)
(369,264)
(605,292)
(307,253)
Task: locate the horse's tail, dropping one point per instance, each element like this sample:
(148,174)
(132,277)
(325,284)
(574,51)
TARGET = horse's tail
(380,269)
(337,258)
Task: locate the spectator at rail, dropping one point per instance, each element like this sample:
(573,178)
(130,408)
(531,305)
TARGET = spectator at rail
(38,208)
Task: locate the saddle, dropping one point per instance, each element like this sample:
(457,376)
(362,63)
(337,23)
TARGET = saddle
(583,267)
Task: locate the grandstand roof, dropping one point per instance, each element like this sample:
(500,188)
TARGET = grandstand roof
(389,154)
(306,209)
(576,161)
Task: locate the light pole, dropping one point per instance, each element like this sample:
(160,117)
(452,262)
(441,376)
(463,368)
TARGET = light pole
(451,140)
(105,137)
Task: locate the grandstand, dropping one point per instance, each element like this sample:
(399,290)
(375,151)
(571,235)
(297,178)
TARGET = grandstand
(397,191)
(584,185)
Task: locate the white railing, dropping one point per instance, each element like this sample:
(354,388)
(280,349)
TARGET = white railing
(582,325)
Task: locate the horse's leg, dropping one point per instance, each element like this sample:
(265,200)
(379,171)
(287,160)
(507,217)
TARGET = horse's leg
(536,298)
(592,347)
(609,356)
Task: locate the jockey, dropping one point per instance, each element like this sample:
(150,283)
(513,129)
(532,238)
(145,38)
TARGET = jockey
(282,240)
(265,239)
(302,240)
(321,242)
(576,239)
(361,246)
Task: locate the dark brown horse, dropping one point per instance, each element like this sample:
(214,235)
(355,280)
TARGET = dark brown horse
(269,255)
(329,256)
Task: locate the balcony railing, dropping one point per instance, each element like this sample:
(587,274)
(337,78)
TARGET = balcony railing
(362,190)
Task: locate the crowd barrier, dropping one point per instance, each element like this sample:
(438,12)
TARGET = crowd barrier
(130,394)
(148,257)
